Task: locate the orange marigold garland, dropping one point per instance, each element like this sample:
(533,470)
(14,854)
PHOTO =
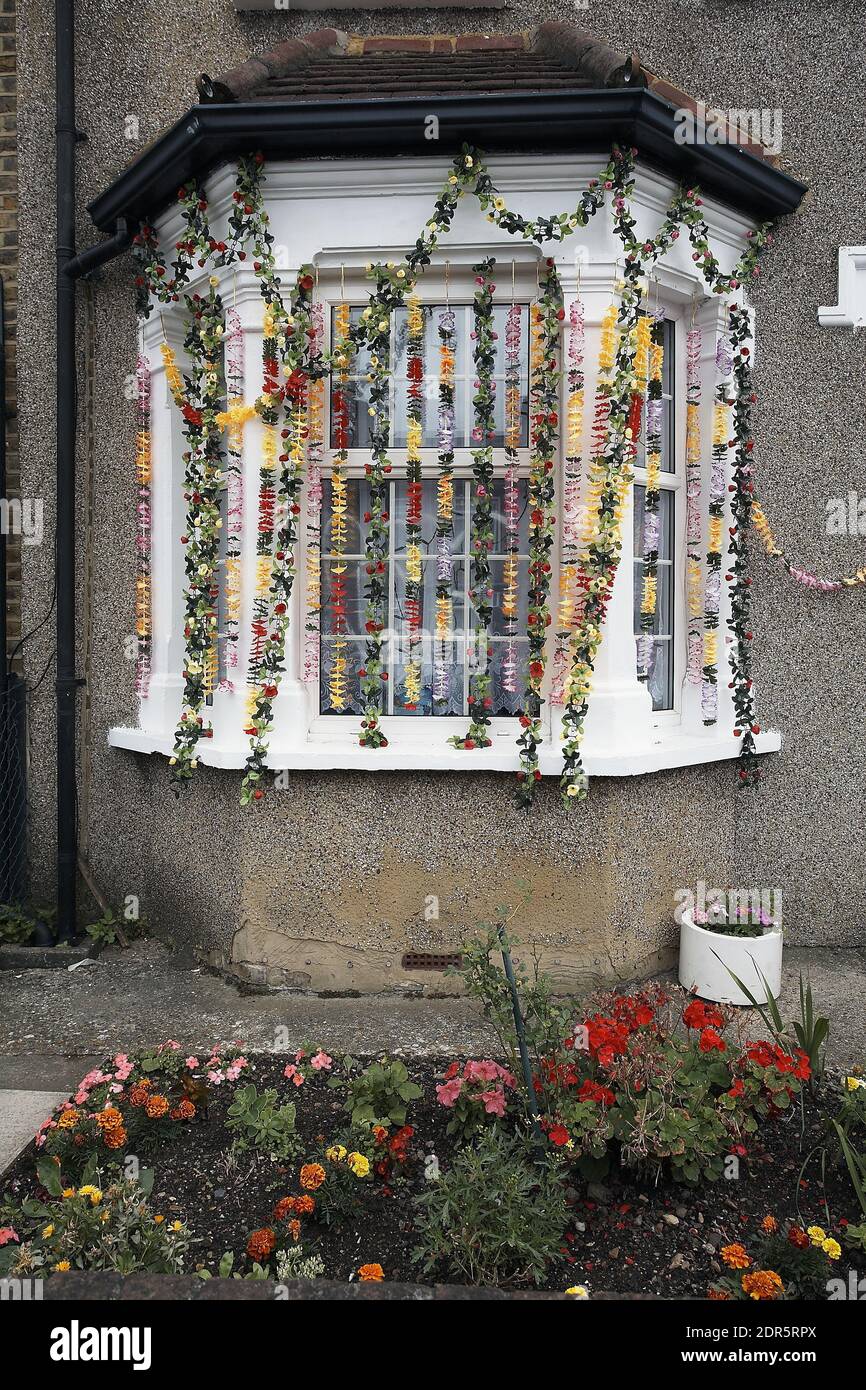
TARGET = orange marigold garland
(652,498)
(143,628)
(414,439)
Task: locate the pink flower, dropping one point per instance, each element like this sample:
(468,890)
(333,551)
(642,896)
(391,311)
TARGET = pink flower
(481,1071)
(494,1101)
(116,1089)
(321,1061)
(293,1074)
(7,1234)
(216,1078)
(447,1094)
(191,1063)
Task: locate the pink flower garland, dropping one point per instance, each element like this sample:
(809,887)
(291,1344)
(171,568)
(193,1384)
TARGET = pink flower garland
(313,521)
(512,494)
(143,628)
(693,508)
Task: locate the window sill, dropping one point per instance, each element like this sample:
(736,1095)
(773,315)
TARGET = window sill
(673,748)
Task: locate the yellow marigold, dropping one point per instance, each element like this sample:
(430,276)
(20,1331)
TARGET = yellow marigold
(769,1225)
(371,1274)
(68,1120)
(763,1284)
(735,1256)
(312,1175)
(816,1234)
(831,1247)
(336,1153)
(156,1107)
(359,1164)
(61,1266)
(578,1291)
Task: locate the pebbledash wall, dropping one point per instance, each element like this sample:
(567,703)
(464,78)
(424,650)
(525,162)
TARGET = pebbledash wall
(325,885)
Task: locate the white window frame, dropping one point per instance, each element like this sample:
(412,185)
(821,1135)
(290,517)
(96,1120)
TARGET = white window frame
(308,202)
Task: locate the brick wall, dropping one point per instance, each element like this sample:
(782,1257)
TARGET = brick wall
(9,271)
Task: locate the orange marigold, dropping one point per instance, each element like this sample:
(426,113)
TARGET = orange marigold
(305,1205)
(156,1107)
(68,1120)
(371,1274)
(109,1118)
(769,1225)
(718,1295)
(284,1207)
(763,1284)
(184,1110)
(295,1229)
(138,1094)
(261,1243)
(735,1256)
(115,1137)
(312,1176)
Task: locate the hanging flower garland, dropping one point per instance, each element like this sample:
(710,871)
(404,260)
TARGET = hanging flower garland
(481,537)
(804,577)
(271,664)
(373,673)
(233,422)
(694,487)
(511,498)
(313,520)
(544,436)
(651,517)
(739,621)
(337,683)
(716,530)
(143,624)
(414,440)
(444,510)
(203,478)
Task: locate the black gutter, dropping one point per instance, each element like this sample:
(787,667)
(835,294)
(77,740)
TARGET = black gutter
(69,268)
(568,121)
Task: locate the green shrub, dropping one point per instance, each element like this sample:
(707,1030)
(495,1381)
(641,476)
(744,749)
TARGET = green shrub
(496,1218)
(257,1122)
(378,1095)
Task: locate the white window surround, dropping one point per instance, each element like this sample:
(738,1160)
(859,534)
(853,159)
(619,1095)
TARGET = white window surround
(311,201)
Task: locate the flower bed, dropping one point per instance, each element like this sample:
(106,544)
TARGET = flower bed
(671,1156)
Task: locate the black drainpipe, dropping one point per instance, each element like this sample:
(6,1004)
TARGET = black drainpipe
(69,268)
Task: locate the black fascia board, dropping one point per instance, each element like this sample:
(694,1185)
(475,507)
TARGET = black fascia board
(525,122)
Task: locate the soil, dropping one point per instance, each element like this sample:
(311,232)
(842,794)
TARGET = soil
(630,1234)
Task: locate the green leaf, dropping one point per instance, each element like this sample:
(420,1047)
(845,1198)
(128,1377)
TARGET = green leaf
(48,1173)
(145,1181)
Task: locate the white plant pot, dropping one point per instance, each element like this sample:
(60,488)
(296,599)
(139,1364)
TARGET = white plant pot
(705,954)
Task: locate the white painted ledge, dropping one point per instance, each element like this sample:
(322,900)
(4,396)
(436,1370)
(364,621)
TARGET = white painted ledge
(673,749)
(850,312)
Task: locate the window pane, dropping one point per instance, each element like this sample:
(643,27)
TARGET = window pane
(452,654)
(661,675)
(353,652)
